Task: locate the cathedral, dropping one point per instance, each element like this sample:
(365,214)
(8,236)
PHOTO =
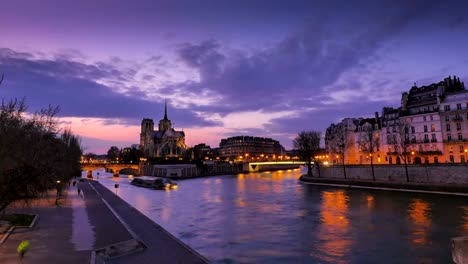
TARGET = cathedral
(163,143)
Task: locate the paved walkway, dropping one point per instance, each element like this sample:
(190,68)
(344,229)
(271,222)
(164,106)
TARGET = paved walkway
(96,218)
(51,238)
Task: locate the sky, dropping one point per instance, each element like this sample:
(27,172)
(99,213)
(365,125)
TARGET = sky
(226,68)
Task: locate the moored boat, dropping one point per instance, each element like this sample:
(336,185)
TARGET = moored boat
(158,183)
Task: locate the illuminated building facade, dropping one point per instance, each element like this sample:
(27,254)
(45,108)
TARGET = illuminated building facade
(250,148)
(436,117)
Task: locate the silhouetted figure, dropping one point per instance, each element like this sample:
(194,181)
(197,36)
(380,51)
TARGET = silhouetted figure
(79,192)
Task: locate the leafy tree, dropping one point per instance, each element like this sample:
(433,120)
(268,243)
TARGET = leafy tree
(130,156)
(34,156)
(402,145)
(369,143)
(307,144)
(113,153)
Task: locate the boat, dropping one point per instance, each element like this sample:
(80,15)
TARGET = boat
(158,184)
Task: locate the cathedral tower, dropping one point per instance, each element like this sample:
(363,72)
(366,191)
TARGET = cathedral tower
(146,136)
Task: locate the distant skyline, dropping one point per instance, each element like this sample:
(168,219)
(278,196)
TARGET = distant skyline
(227,68)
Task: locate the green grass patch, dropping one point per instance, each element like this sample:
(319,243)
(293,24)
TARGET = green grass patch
(18,219)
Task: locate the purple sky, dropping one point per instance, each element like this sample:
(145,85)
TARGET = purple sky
(260,68)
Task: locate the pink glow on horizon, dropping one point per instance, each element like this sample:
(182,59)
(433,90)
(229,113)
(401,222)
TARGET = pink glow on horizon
(97,128)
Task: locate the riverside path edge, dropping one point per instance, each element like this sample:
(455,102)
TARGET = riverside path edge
(162,247)
(446,189)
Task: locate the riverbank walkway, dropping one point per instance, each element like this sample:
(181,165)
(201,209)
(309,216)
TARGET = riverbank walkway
(83,226)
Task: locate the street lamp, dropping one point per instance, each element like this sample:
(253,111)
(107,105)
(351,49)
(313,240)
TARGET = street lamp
(58,192)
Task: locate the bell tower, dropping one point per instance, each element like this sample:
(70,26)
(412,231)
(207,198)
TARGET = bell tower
(146,142)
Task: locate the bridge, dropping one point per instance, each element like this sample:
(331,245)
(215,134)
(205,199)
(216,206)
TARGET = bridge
(110,167)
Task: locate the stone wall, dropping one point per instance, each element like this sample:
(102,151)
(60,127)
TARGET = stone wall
(440,173)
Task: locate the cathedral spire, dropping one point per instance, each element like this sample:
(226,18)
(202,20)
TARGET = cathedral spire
(165,109)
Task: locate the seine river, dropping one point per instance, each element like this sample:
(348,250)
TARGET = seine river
(272,218)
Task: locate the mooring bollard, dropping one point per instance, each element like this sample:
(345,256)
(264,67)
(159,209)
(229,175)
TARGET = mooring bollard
(460,250)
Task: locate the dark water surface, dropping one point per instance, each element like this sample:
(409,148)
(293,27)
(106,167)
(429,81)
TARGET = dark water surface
(272,218)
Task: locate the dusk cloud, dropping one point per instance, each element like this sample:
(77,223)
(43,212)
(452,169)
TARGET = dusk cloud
(261,68)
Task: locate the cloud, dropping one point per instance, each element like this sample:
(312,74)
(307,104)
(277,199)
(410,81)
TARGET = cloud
(83,90)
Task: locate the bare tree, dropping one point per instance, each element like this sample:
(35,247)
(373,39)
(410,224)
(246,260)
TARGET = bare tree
(402,145)
(307,144)
(34,157)
(338,144)
(369,143)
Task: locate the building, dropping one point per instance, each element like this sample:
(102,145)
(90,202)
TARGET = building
(250,148)
(204,152)
(367,138)
(349,150)
(432,123)
(454,120)
(166,142)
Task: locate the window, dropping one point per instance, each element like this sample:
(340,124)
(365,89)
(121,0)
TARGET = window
(462,149)
(458,126)
(460,136)
(452,160)
(458,106)
(447,118)
(432,118)
(447,126)
(424,118)
(425,128)
(447,107)
(426,138)
(412,129)
(449,137)
(433,138)
(436,160)
(462,159)
(432,128)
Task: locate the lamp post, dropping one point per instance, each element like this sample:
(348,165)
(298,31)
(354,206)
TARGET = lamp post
(58,192)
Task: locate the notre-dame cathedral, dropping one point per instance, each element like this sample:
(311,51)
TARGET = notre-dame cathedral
(165,142)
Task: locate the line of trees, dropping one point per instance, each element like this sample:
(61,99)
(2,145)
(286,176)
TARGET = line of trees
(307,143)
(35,155)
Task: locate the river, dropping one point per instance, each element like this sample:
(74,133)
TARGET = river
(273,218)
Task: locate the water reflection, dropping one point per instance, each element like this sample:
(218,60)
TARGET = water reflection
(271,218)
(370,201)
(420,213)
(465,217)
(334,227)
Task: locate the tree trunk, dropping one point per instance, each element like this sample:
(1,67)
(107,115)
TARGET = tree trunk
(318,169)
(309,169)
(344,169)
(406,171)
(372,166)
